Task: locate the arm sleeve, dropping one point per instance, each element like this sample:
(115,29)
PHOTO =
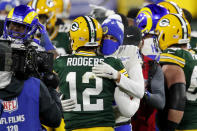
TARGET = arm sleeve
(134,85)
(157,96)
(126,105)
(50,108)
(46,42)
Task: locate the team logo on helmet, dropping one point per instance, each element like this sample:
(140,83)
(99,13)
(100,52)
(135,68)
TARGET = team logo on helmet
(139,20)
(164,22)
(74,26)
(105,30)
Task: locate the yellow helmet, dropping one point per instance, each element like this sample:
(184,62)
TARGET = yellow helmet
(45,7)
(172,7)
(173,29)
(85,31)
(62,8)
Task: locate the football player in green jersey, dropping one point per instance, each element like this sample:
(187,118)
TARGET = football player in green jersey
(93,95)
(173,35)
(189,121)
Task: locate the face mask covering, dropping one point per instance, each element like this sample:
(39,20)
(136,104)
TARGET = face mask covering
(150,48)
(5,79)
(109,47)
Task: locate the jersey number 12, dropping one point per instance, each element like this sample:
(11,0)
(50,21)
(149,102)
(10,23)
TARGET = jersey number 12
(87,106)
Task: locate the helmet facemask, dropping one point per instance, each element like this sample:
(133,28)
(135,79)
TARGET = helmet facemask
(21,24)
(19,30)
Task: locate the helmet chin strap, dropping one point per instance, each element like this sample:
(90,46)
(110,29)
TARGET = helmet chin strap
(160,35)
(5,78)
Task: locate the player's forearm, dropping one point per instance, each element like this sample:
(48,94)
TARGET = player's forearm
(157,94)
(175,115)
(123,99)
(176,104)
(131,87)
(174,118)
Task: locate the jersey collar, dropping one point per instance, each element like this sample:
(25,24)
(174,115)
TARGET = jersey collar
(85,53)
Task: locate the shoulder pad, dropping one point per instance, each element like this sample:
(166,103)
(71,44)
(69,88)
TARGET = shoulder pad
(171,58)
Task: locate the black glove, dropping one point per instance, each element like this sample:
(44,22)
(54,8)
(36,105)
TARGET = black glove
(50,79)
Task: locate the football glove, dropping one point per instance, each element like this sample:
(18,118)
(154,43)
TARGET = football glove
(105,70)
(67,105)
(42,28)
(51,79)
(45,40)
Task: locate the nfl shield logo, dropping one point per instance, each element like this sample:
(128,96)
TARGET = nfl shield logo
(10,106)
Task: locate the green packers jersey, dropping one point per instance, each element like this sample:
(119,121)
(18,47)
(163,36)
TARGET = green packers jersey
(60,39)
(185,60)
(93,95)
(178,57)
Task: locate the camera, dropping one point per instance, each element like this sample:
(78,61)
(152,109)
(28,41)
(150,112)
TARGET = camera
(27,61)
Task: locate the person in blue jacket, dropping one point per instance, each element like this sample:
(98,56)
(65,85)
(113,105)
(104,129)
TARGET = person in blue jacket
(25,104)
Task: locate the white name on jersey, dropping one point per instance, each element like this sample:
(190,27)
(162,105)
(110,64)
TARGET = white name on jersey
(84,61)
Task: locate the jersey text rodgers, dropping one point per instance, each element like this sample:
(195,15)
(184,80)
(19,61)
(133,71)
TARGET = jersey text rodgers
(83,61)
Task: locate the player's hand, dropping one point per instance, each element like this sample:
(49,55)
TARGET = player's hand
(106,71)
(45,40)
(42,28)
(51,80)
(67,105)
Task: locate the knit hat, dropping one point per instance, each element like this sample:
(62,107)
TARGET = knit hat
(113,26)
(132,36)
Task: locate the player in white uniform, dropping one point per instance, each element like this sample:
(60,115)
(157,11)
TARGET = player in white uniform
(130,89)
